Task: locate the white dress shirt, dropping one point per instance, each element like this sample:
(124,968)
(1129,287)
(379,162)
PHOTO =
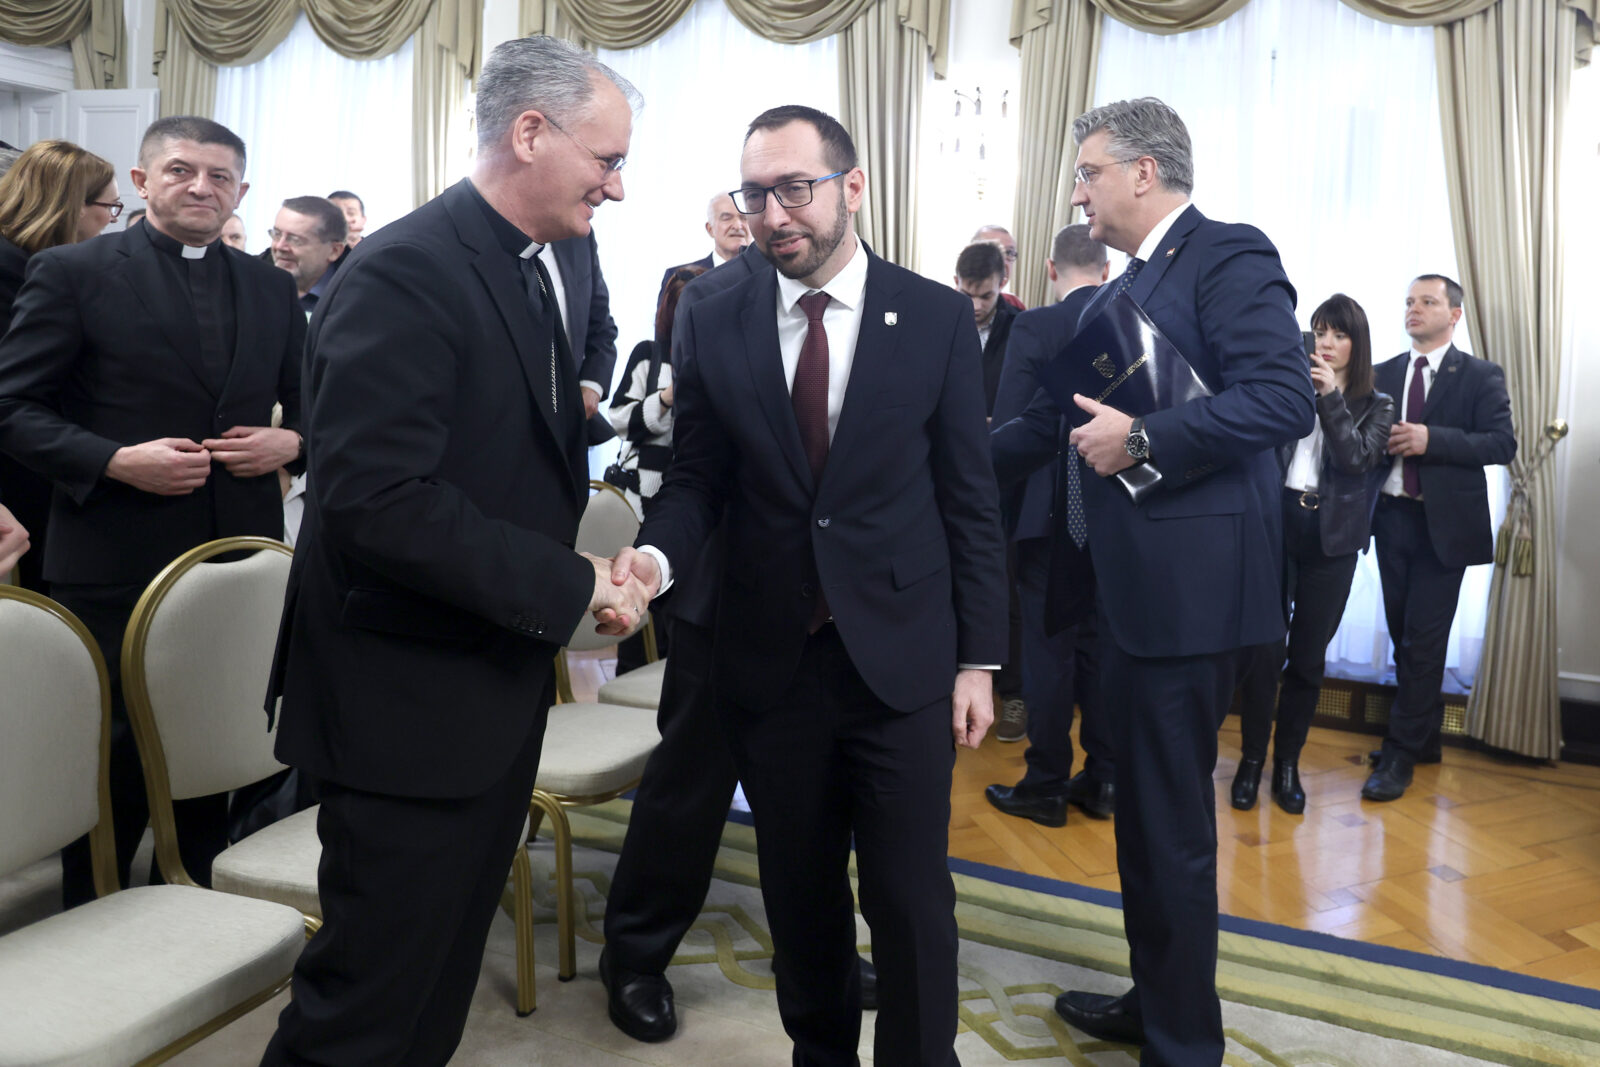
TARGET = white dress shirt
(557,283)
(1306,466)
(1152,240)
(1395,485)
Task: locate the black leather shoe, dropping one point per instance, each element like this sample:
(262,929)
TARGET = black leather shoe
(1286,788)
(640,1004)
(1388,782)
(1096,799)
(1246,783)
(1435,755)
(1045,809)
(869,984)
(1101,1016)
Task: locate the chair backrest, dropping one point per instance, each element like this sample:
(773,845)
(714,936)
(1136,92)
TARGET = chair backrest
(195,666)
(607,527)
(54,733)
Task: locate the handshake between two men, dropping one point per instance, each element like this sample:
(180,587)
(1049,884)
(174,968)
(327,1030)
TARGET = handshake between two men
(623,589)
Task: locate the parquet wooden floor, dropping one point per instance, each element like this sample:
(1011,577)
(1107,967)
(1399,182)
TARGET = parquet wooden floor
(1483,860)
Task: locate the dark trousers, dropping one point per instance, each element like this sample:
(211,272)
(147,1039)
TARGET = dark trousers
(1165,739)
(202,822)
(1318,586)
(409,887)
(1058,671)
(678,814)
(1419,601)
(828,761)
(1008,680)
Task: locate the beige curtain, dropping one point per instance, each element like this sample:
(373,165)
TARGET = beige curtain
(1504,76)
(1169,16)
(95,28)
(1060,43)
(445,61)
(188,83)
(547,16)
(883,65)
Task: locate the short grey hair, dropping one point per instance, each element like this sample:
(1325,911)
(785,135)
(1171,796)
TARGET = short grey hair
(1144,127)
(543,74)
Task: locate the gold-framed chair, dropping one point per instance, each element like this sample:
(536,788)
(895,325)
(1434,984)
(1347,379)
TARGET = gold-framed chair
(195,665)
(593,752)
(137,975)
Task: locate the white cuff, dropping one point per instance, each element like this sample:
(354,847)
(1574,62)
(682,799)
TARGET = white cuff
(661,561)
(977,666)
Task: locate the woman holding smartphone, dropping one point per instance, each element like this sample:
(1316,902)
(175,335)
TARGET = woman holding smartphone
(1329,489)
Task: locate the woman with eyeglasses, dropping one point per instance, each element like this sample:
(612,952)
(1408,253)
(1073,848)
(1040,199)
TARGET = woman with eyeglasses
(1329,490)
(54,194)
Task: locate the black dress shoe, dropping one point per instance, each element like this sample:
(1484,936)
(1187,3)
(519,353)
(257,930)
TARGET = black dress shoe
(1246,783)
(1101,1016)
(1388,782)
(869,984)
(1435,755)
(1286,788)
(1043,808)
(1096,799)
(640,1004)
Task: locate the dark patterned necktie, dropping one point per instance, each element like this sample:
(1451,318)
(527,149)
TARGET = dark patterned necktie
(1077,525)
(1135,265)
(1416,400)
(543,304)
(810,392)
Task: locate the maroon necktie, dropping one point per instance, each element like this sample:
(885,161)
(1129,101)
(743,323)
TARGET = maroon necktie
(1416,400)
(810,398)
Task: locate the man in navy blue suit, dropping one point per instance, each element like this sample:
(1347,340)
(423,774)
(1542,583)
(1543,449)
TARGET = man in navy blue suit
(1432,518)
(832,410)
(1192,574)
(1055,578)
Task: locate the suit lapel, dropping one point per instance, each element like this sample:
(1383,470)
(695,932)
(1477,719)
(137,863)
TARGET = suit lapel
(873,367)
(1444,382)
(1390,378)
(759,320)
(1170,249)
(247,319)
(145,280)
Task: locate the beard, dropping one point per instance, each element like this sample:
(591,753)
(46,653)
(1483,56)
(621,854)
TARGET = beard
(812,254)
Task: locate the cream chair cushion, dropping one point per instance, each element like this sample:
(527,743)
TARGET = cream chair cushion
(278,863)
(117,979)
(592,749)
(639,688)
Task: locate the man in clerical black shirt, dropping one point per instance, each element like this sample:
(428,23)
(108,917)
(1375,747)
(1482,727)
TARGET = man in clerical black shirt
(139,375)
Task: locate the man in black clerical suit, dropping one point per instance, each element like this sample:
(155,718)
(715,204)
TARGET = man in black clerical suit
(434,580)
(1432,517)
(574,267)
(832,411)
(729,236)
(1055,578)
(1188,576)
(139,376)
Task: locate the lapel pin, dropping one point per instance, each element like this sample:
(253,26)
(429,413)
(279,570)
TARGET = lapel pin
(891,317)
(1172,251)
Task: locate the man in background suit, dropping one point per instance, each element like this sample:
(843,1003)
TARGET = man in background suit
(831,410)
(1192,574)
(1001,237)
(1432,518)
(434,580)
(585,302)
(980,272)
(1055,579)
(729,236)
(139,375)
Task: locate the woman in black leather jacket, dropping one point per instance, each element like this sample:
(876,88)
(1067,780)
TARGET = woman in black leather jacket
(1331,482)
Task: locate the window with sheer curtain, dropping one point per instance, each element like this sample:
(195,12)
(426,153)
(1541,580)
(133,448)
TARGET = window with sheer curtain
(703,81)
(1321,126)
(314,121)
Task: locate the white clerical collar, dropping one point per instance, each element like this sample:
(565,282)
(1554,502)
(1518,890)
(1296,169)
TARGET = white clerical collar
(1153,239)
(533,249)
(846,287)
(191,252)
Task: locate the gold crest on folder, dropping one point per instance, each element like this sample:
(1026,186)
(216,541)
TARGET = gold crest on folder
(1103,364)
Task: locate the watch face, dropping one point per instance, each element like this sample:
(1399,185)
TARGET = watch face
(1138,445)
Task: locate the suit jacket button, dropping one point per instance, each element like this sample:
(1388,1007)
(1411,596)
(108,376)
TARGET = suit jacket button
(806,590)
(823,522)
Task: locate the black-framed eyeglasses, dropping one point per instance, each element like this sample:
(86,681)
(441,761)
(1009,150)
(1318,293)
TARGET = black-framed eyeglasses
(113,206)
(612,163)
(796,192)
(1086,174)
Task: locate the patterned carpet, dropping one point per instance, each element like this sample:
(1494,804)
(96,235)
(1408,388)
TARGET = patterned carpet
(1288,1002)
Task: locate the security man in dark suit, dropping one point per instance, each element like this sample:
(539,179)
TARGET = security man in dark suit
(139,376)
(1432,520)
(1192,574)
(831,412)
(1055,578)
(434,579)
